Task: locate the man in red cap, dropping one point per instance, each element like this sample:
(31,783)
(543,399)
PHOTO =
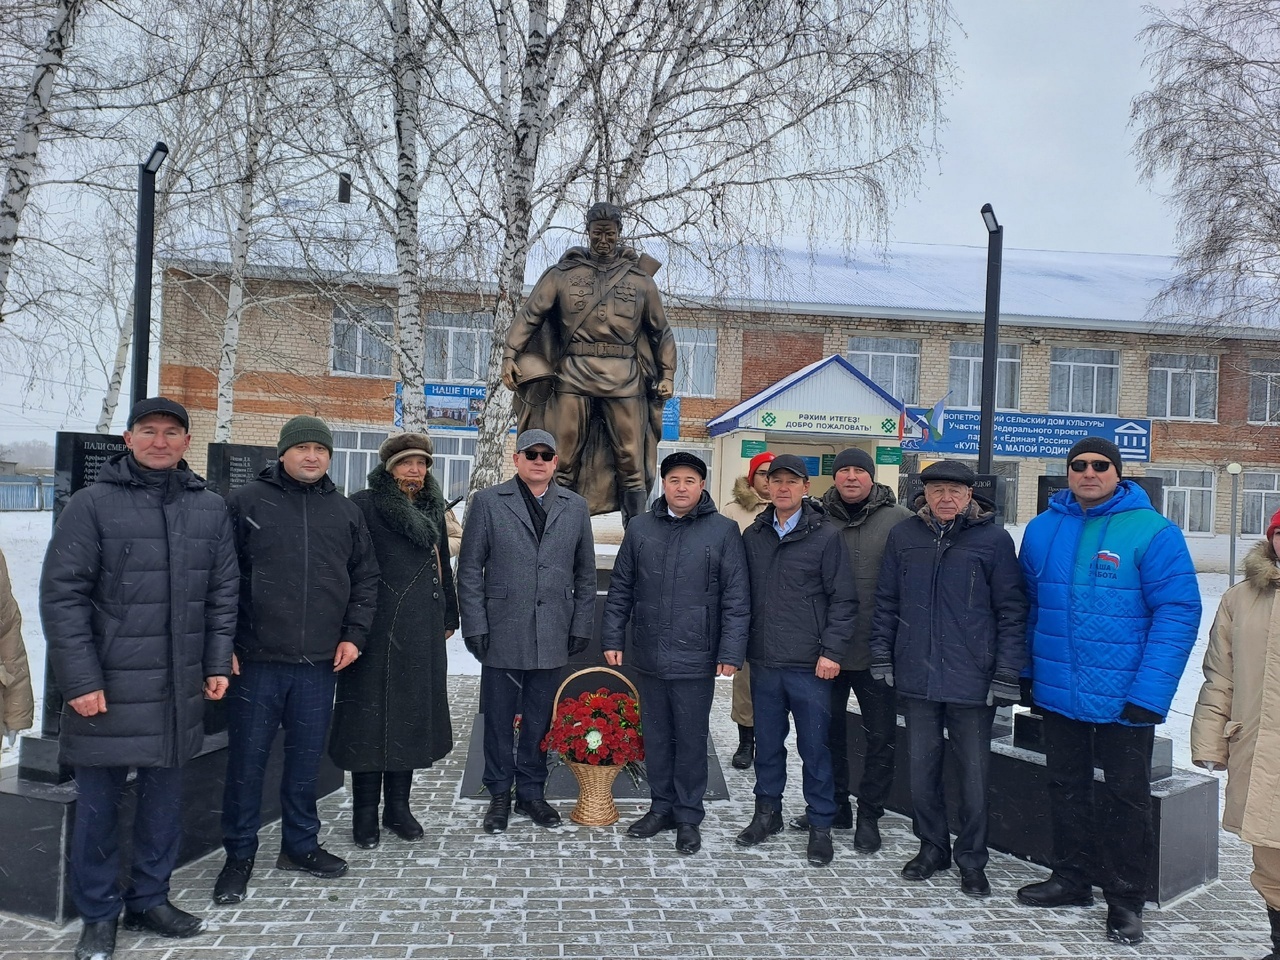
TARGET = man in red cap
(750,496)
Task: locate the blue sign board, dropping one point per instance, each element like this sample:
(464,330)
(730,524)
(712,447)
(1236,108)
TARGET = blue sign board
(1045,435)
(671,419)
(813,466)
(450,406)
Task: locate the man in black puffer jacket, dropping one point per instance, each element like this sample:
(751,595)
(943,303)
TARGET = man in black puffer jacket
(949,635)
(138,601)
(803,607)
(309,588)
(680,579)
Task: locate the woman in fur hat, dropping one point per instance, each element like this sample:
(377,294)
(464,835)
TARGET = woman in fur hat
(1236,725)
(391,715)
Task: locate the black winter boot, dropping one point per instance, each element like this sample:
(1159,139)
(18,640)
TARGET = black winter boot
(366,789)
(1274,917)
(746,752)
(396,815)
(763,825)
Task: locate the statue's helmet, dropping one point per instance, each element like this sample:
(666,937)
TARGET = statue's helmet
(603,210)
(537,379)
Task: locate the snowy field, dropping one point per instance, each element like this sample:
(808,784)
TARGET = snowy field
(23,537)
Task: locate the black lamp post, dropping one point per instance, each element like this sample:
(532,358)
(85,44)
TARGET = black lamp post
(990,339)
(142,269)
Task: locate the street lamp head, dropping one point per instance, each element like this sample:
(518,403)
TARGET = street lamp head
(989,218)
(158,154)
(1234,468)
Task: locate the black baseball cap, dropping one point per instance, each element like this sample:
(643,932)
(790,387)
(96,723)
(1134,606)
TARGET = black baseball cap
(789,461)
(170,408)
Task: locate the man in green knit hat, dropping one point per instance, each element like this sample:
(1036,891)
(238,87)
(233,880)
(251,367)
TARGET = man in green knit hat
(308,586)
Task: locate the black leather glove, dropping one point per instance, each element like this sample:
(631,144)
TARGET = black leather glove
(578,644)
(882,670)
(1024,693)
(1005,690)
(478,645)
(1133,713)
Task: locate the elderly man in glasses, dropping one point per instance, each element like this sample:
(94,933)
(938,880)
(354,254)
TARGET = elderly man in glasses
(1115,608)
(527,594)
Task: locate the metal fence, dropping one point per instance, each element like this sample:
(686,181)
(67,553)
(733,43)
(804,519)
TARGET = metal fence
(26,493)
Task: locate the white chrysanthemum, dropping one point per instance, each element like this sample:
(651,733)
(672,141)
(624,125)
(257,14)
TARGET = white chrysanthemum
(594,739)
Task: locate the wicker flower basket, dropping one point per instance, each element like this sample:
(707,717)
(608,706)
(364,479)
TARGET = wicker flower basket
(595,806)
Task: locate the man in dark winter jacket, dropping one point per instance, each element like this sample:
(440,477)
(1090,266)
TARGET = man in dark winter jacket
(680,580)
(803,607)
(138,600)
(948,633)
(308,591)
(865,512)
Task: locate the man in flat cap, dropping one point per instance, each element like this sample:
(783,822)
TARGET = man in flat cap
(595,324)
(948,634)
(138,601)
(1115,609)
(527,595)
(680,581)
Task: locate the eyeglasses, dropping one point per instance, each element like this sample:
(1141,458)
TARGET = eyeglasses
(762,472)
(1099,466)
(546,456)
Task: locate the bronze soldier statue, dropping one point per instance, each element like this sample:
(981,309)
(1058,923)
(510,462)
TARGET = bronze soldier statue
(592,360)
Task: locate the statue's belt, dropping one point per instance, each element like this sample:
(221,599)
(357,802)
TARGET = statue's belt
(622,350)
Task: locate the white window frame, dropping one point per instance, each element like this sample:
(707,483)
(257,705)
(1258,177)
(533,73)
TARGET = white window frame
(1008,363)
(1259,503)
(361,319)
(1264,372)
(479,330)
(1077,368)
(452,461)
(904,355)
(690,342)
(361,458)
(1178,495)
(1165,369)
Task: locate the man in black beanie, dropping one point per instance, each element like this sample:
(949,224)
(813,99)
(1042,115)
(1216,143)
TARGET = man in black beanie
(865,512)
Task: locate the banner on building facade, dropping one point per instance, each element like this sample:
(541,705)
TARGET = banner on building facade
(1042,435)
(450,406)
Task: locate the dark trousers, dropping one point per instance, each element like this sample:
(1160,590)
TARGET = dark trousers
(1119,859)
(95,845)
(878,705)
(262,699)
(677,718)
(969,731)
(504,695)
(779,694)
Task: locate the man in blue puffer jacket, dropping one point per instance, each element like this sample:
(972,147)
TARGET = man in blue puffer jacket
(1115,608)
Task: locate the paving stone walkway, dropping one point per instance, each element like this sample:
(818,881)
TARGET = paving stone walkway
(579,892)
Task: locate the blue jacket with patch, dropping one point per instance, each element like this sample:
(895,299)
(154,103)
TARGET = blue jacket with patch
(1115,606)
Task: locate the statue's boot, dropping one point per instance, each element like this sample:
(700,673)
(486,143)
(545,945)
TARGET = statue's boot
(634,503)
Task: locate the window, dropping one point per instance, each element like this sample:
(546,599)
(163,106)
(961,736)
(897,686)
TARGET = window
(1261,501)
(966,375)
(458,346)
(695,361)
(892,364)
(1264,391)
(1188,498)
(362,340)
(1084,381)
(1182,387)
(355,453)
(451,464)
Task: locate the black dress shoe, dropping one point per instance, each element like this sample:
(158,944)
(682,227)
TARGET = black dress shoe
(926,863)
(799,823)
(866,834)
(650,825)
(499,812)
(1124,925)
(318,862)
(688,839)
(165,920)
(1054,893)
(974,883)
(762,826)
(820,850)
(233,880)
(97,941)
(539,811)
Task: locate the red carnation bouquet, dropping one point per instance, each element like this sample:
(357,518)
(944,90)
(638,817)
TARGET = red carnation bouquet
(600,728)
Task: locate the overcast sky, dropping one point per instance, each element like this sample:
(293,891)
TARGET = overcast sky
(1038,128)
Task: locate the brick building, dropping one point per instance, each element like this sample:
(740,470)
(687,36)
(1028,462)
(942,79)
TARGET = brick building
(1077,353)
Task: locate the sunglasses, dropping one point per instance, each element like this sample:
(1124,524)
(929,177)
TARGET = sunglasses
(546,456)
(1099,466)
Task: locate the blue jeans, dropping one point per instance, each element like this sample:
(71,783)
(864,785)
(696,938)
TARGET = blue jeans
(504,694)
(969,732)
(676,716)
(95,844)
(264,698)
(778,693)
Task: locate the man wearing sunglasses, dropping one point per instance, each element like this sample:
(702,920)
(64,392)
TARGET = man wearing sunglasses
(527,594)
(1115,608)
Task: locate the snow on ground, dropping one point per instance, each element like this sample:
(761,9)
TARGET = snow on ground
(23,537)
